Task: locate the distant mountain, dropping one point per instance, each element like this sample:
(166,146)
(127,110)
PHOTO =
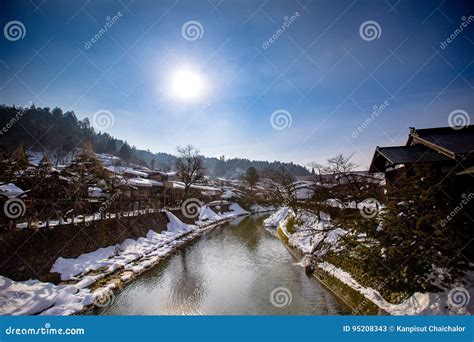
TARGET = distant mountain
(46,130)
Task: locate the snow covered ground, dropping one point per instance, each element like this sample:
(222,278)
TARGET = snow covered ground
(130,256)
(32,297)
(441,303)
(256,208)
(319,236)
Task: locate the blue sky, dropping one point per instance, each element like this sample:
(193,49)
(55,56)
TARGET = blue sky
(319,70)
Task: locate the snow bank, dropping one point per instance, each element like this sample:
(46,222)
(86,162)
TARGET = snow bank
(114,257)
(313,235)
(176,225)
(33,297)
(417,304)
(235,210)
(275,219)
(207,215)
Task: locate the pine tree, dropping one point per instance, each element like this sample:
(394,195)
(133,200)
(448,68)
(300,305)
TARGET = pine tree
(416,241)
(21,159)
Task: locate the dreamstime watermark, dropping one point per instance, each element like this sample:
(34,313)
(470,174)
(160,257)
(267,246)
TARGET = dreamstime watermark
(14,30)
(191,207)
(14,208)
(280,297)
(286,25)
(370,30)
(465,200)
(281,119)
(106,204)
(195,117)
(377,110)
(46,330)
(192,30)
(14,119)
(369,207)
(15,297)
(458,297)
(109,22)
(104,298)
(102,119)
(465,22)
(458,119)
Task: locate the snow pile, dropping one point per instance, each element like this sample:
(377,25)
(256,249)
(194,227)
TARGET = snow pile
(277,217)
(32,297)
(313,235)
(121,255)
(176,225)
(207,215)
(235,210)
(442,303)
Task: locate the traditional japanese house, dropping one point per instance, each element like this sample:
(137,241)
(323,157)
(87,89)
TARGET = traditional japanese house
(446,151)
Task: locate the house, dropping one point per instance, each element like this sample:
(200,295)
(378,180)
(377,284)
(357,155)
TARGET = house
(175,192)
(446,151)
(146,191)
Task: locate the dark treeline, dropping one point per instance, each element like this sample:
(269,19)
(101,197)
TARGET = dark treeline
(60,133)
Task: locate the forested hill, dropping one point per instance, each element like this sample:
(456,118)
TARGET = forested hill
(40,129)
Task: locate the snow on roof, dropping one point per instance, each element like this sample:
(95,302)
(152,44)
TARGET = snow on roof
(95,191)
(136,173)
(180,185)
(10,190)
(144,183)
(126,169)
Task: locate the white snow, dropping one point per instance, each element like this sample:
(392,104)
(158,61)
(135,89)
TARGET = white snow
(10,190)
(417,304)
(143,182)
(33,297)
(120,255)
(206,214)
(96,192)
(256,208)
(275,219)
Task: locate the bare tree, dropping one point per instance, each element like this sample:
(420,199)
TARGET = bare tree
(338,180)
(282,188)
(190,167)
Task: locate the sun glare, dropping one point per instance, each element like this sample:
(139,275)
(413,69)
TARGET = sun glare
(187,84)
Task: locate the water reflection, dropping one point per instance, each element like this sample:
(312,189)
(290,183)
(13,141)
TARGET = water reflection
(230,270)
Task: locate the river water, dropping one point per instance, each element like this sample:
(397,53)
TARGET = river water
(230,270)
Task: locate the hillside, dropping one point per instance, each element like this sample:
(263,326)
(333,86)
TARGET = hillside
(43,129)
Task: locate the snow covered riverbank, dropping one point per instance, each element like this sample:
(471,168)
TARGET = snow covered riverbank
(127,259)
(315,236)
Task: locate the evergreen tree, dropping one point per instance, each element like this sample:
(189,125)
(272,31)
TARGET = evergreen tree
(21,159)
(251,177)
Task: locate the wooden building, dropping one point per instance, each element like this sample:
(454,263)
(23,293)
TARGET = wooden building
(445,150)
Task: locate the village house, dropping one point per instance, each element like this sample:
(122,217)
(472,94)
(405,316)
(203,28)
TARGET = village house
(445,150)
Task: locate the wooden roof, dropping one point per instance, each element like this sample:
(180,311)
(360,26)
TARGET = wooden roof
(397,155)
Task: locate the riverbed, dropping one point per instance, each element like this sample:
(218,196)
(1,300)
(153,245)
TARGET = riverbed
(238,268)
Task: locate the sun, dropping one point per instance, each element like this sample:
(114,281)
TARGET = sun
(187,84)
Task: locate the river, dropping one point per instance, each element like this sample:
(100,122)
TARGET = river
(230,270)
